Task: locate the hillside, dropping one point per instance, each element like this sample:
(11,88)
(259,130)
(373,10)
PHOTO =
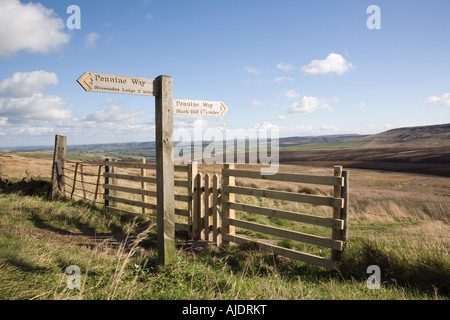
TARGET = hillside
(296,141)
(423,136)
(424,149)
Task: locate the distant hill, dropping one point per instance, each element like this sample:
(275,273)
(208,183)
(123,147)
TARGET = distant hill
(424,149)
(423,136)
(295,141)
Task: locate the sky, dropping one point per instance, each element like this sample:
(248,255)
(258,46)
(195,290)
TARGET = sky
(304,68)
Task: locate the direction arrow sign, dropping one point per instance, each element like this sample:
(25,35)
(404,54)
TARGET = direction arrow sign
(100,82)
(199,108)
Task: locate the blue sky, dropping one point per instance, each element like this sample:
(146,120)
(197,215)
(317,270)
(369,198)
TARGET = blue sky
(304,67)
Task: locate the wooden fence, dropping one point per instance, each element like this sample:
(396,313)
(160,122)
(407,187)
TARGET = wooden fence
(141,185)
(338,222)
(206,204)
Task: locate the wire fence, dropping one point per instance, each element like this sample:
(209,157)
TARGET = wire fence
(83,180)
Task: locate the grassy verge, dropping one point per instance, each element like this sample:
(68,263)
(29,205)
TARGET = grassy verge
(39,239)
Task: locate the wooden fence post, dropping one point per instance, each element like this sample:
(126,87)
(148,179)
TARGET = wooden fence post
(98,183)
(344,210)
(82,181)
(198,208)
(217,220)
(143,186)
(228,197)
(106,191)
(207,202)
(113,181)
(58,164)
(165,212)
(192,173)
(337,193)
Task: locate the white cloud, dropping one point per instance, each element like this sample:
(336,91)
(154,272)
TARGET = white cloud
(309,105)
(90,40)
(290,94)
(35,107)
(285,66)
(256,103)
(362,104)
(252,70)
(3,121)
(30,27)
(279,79)
(334,63)
(114,114)
(37,131)
(23,84)
(24,98)
(265,126)
(282,117)
(443,100)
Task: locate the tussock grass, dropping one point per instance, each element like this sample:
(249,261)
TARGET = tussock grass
(33,259)
(403,231)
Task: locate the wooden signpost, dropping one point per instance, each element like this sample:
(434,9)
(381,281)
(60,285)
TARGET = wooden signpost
(165,108)
(162,89)
(165,201)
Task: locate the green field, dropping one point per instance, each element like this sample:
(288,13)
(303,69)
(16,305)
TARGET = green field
(324,146)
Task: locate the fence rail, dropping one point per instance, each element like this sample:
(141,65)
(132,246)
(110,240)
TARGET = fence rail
(207,203)
(287,177)
(112,187)
(338,223)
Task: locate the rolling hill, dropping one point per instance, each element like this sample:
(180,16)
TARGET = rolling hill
(424,149)
(423,136)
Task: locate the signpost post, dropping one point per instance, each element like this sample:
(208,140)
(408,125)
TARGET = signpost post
(165,201)
(162,89)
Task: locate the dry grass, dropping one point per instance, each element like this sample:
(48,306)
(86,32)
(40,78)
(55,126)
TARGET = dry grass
(410,200)
(17,167)
(399,221)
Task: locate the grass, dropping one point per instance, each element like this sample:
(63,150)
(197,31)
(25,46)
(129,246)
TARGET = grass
(33,265)
(404,232)
(40,239)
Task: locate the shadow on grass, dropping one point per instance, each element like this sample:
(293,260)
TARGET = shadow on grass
(42,189)
(31,187)
(428,272)
(26,266)
(83,227)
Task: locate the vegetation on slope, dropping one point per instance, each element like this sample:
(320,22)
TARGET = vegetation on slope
(39,239)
